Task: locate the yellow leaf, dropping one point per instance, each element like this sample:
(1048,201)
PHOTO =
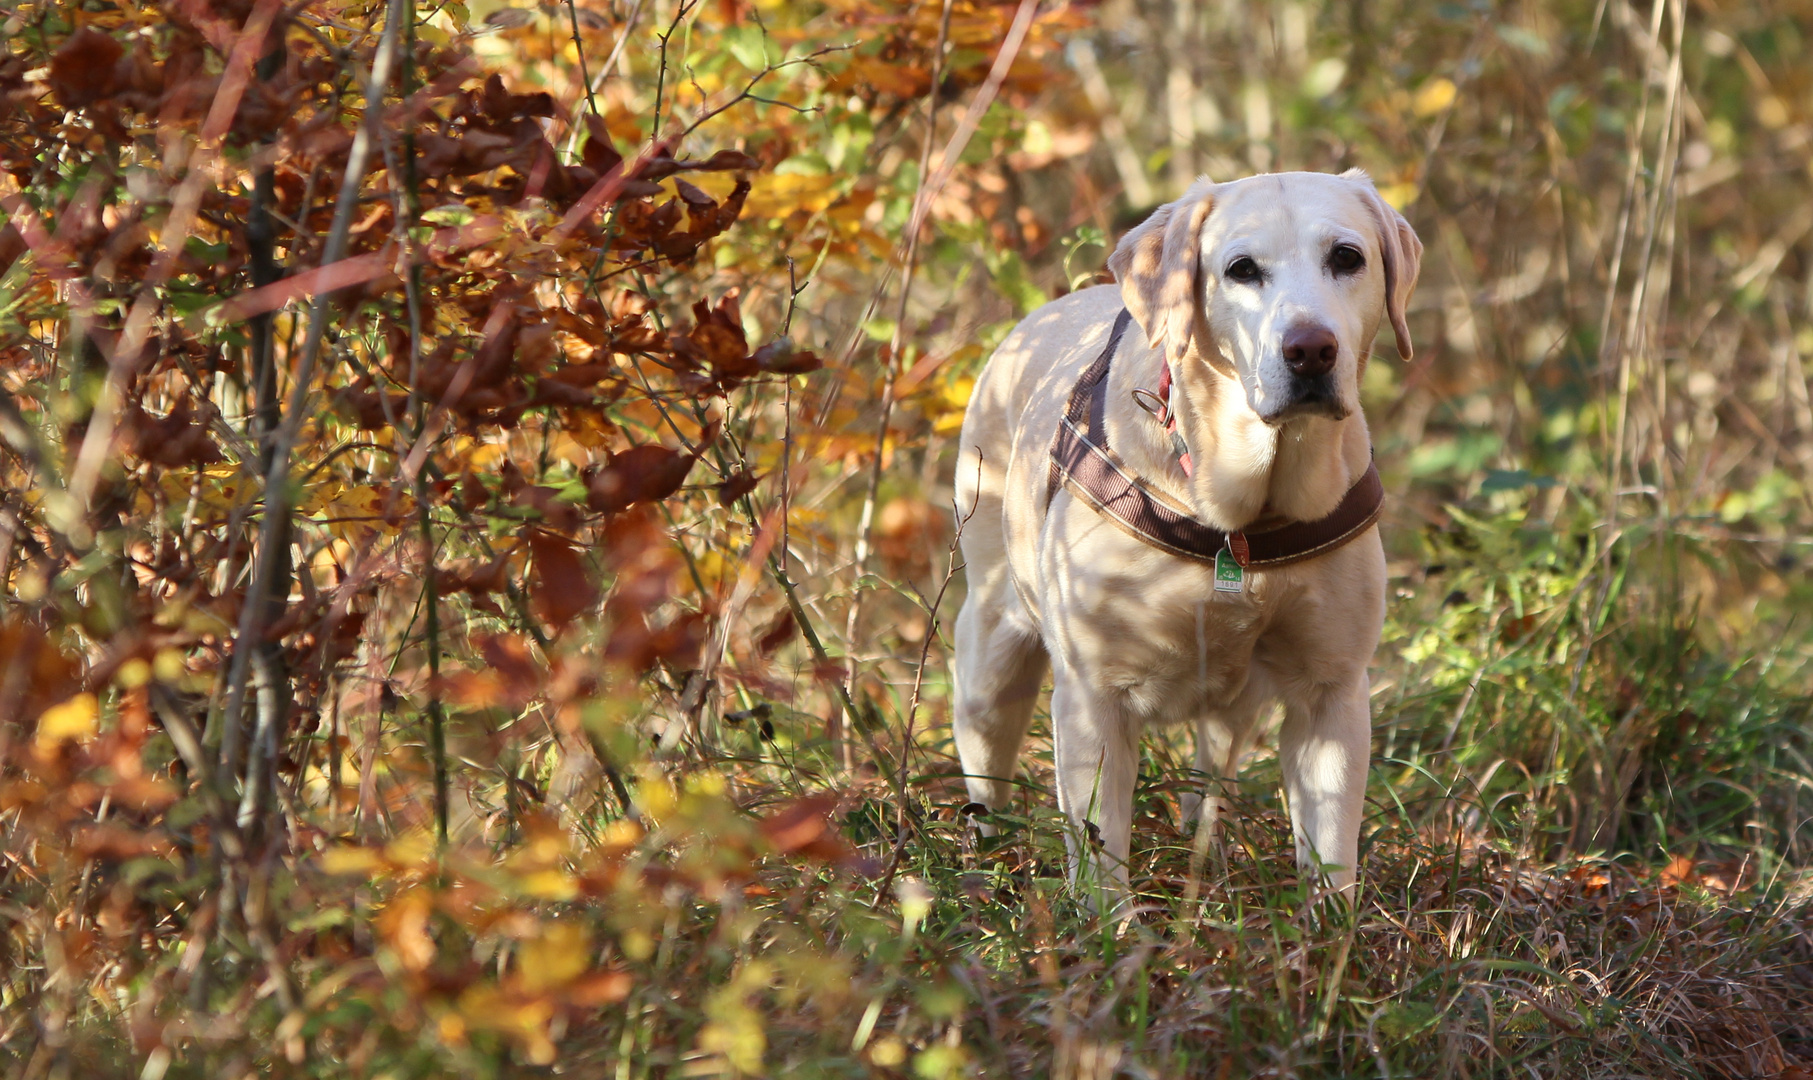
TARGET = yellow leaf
(414,850)
(948,405)
(655,794)
(72,721)
(547,885)
(1436,94)
(318,497)
(778,196)
(1399,195)
(403,925)
(360,501)
(168,665)
(637,944)
(622,834)
(888,1052)
(561,954)
(358,512)
(485,1007)
(480,1004)
(485,455)
(216,487)
(348,859)
(133,674)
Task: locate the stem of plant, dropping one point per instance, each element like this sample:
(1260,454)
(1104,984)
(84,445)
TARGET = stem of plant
(272,550)
(890,371)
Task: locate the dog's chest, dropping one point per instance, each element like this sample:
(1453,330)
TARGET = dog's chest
(1155,632)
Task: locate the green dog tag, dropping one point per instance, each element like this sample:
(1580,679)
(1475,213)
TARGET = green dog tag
(1229,576)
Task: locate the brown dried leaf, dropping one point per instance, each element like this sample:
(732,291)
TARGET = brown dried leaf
(780,357)
(726,160)
(736,487)
(777,633)
(176,440)
(804,827)
(498,103)
(508,656)
(694,198)
(82,68)
(560,589)
(639,647)
(637,475)
(556,513)
(118,842)
(598,155)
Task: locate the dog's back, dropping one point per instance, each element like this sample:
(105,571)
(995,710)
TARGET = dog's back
(1012,415)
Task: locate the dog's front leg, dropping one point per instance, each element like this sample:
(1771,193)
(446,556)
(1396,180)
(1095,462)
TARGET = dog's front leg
(1323,748)
(1097,756)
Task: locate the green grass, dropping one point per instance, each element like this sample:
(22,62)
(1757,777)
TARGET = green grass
(1585,854)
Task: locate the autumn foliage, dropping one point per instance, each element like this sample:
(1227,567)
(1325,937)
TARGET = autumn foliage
(387,431)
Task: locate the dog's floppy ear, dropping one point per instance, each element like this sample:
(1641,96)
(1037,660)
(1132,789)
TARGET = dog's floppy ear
(1157,265)
(1403,254)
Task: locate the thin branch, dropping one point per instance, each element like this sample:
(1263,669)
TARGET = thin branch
(746,93)
(585,78)
(866,522)
(277,476)
(575,128)
(912,713)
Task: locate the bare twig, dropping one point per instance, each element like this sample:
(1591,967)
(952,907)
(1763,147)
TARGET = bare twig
(585,78)
(604,71)
(866,522)
(912,713)
(276,481)
(928,190)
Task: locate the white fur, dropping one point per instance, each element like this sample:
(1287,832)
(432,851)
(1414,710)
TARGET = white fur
(1131,635)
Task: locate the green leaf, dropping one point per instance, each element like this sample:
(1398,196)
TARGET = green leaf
(1015,282)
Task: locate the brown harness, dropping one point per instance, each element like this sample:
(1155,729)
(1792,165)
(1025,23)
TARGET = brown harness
(1081,460)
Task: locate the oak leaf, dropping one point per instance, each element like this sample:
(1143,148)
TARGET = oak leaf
(175,440)
(694,198)
(726,160)
(598,155)
(117,842)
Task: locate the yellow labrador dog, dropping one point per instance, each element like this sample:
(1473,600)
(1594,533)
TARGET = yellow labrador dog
(1179,519)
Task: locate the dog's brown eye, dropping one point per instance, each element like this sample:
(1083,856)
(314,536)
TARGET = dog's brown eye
(1244,269)
(1345,259)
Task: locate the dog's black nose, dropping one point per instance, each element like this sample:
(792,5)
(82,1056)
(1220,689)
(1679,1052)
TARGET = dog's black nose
(1310,350)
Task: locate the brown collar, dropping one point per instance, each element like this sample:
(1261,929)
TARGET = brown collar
(1081,460)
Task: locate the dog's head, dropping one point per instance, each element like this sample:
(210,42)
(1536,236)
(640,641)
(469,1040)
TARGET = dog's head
(1281,281)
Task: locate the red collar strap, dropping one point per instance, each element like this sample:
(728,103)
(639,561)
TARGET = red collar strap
(1160,409)
(1082,461)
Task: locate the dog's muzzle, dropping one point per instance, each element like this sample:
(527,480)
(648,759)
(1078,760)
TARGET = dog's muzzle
(1310,352)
